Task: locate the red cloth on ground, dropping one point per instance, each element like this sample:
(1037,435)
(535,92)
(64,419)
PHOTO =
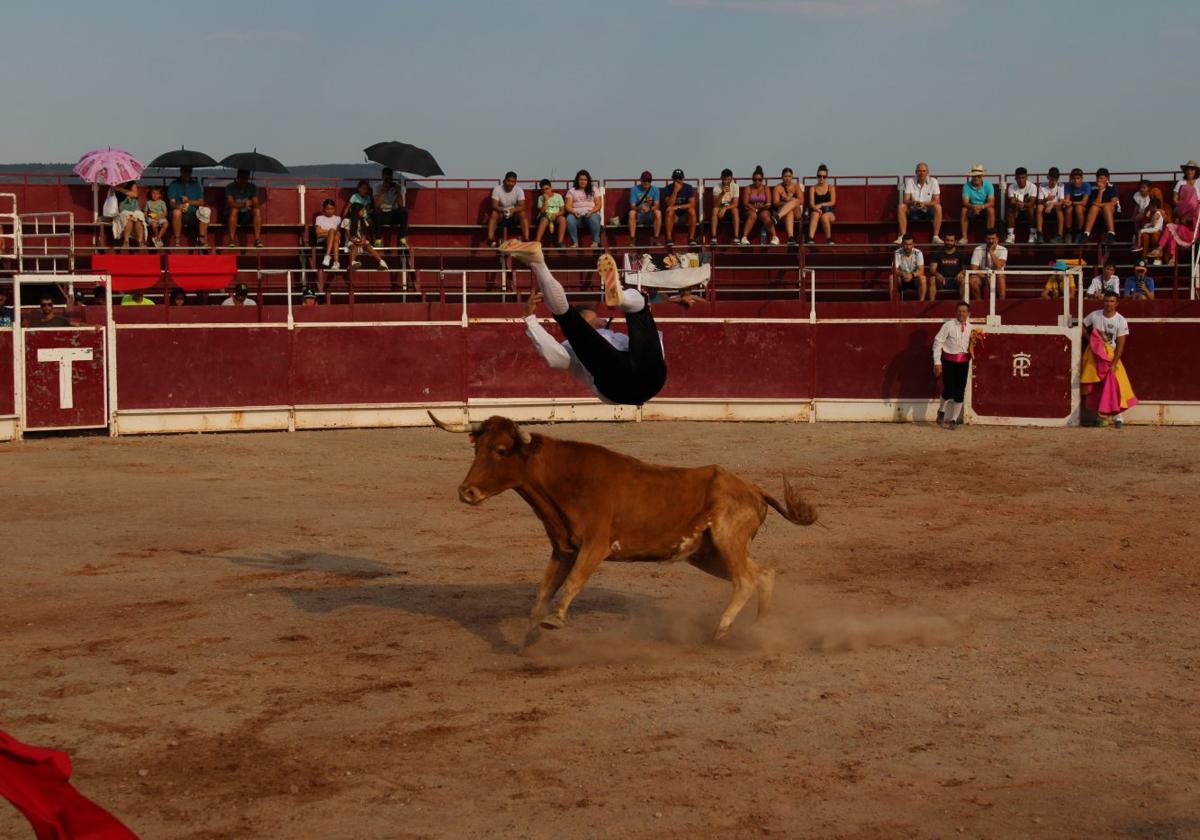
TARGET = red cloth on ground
(36,781)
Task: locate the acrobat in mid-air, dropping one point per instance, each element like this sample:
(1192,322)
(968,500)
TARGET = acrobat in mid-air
(621,369)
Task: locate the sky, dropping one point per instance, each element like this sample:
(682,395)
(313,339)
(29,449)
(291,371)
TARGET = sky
(613,86)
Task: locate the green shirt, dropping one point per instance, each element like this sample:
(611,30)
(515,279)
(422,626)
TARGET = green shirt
(156,209)
(128,300)
(552,207)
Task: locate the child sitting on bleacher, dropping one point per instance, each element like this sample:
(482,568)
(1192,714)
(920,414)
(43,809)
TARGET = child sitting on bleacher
(549,210)
(357,225)
(156,216)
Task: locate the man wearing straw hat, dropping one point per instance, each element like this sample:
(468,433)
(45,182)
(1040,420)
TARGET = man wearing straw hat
(979,200)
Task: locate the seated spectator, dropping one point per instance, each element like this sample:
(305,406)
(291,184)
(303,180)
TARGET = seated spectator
(157,217)
(584,207)
(97,298)
(178,297)
(1182,231)
(787,203)
(1103,203)
(1151,226)
(47,314)
(979,201)
(240,296)
(308,297)
(1077,196)
(756,205)
(327,228)
(1103,283)
(137,298)
(550,213)
(680,199)
(725,203)
(1141,201)
(185,199)
(1050,202)
(508,209)
(357,226)
(948,267)
(1139,286)
(990,256)
(362,196)
(643,207)
(1020,204)
(241,202)
(908,269)
(390,208)
(1191,175)
(130,220)
(822,199)
(6,311)
(921,201)
(1057,280)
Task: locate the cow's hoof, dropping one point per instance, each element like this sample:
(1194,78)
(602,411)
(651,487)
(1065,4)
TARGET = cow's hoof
(531,636)
(552,622)
(721,633)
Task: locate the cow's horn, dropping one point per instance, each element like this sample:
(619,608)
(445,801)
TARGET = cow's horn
(472,428)
(526,438)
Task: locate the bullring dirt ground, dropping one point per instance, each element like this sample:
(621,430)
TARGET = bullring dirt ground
(307,636)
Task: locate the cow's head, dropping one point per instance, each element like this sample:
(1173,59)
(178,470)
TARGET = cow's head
(501,450)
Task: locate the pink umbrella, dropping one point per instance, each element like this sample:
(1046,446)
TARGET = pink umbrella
(108,166)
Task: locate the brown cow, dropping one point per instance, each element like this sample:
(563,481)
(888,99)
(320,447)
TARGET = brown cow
(597,504)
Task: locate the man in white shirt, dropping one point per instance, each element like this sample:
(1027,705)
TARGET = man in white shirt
(620,369)
(1020,200)
(508,208)
(239,297)
(920,201)
(952,362)
(1102,375)
(990,256)
(908,269)
(1105,282)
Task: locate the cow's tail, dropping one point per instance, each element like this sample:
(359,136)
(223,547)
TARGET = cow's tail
(797,510)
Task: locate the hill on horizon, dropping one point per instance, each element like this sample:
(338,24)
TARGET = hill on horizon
(315,170)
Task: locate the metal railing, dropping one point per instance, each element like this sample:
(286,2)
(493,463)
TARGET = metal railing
(46,243)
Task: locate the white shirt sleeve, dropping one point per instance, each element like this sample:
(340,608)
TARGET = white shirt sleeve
(1095,286)
(548,348)
(939,340)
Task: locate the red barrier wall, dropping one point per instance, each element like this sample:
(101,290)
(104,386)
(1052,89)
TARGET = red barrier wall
(8,393)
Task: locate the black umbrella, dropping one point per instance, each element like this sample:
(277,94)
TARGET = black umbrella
(404,157)
(255,162)
(181,157)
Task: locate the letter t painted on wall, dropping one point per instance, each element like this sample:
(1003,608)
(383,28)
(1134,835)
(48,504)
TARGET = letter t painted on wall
(65,356)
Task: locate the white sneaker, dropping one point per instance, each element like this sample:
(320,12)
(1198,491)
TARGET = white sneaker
(937,240)
(325,262)
(1033,237)
(1010,239)
(774,240)
(743,241)
(355,265)
(899,240)
(383,266)
(337,266)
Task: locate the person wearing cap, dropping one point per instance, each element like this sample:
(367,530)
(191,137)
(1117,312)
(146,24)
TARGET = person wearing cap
(990,256)
(679,198)
(1103,201)
(979,200)
(1058,280)
(1020,201)
(725,203)
(643,207)
(1191,175)
(241,202)
(508,208)
(308,297)
(185,198)
(6,311)
(1139,286)
(1077,196)
(1049,201)
(239,297)
(550,213)
(1104,282)
(920,201)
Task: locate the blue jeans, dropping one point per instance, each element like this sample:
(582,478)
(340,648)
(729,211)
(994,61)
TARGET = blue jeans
(592,220)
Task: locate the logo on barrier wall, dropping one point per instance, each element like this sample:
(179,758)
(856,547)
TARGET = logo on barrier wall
(65,357)
(1021,363)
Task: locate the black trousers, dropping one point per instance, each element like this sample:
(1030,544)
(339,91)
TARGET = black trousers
(397,218)
(627,377)
(954,379)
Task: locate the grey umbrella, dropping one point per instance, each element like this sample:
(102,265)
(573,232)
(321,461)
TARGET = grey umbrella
(255,162)
(404,157)
(181,157)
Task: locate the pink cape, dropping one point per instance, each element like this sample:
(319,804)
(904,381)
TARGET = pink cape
(1109,392)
